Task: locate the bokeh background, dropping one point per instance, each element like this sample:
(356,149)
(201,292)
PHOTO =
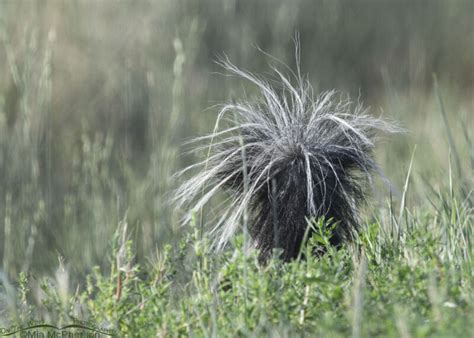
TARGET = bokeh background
(97,98)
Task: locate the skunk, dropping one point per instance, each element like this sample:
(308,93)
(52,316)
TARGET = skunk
(285,158)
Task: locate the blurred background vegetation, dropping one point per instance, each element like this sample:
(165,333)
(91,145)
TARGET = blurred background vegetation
(97,98)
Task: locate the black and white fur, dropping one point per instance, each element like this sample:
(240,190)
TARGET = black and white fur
(289,157)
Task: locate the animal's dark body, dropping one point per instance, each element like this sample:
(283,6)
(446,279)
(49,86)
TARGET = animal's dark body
(287,158)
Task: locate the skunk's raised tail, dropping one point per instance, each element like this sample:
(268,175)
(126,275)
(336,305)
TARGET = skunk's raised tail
(288,157)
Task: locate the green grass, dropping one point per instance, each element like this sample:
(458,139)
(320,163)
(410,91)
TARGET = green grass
(410,278)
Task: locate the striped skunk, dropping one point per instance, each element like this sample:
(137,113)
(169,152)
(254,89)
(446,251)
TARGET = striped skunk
(286,158)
